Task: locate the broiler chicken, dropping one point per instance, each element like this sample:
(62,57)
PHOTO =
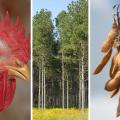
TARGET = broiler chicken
(14,56)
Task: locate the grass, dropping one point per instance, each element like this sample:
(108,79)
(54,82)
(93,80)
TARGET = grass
(59,114)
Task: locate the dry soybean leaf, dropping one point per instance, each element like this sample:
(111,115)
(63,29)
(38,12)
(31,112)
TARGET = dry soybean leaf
(103,62)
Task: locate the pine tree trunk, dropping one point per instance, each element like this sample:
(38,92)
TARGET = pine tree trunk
(63,80)
(42,83)
(80,81)
(83,87)
(67,93)
(39,94)
(44,88)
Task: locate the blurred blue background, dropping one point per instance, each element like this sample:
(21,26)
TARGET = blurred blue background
(102,106)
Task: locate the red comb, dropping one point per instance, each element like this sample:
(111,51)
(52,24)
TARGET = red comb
(14,36)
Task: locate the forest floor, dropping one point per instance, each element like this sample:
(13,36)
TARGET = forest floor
(59,114)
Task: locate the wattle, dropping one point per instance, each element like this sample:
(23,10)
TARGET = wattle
(7,90)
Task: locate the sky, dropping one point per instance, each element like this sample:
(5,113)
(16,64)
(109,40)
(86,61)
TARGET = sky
(55,6)
(101,105)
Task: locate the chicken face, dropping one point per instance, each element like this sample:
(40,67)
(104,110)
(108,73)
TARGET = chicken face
(14,49)
(14,56)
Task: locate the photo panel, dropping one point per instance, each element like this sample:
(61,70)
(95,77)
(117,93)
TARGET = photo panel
(104,57)
(60,60)
(15,103)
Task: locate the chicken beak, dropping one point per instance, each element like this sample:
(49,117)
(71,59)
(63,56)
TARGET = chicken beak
(21,72)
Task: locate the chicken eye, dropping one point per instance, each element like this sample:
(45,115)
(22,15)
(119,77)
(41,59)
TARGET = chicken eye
(19,64)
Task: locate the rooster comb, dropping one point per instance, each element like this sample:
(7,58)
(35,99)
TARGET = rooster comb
(13,35)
